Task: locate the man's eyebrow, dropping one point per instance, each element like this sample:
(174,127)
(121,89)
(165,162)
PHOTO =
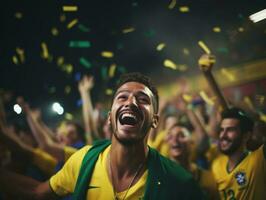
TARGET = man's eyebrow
(127,91)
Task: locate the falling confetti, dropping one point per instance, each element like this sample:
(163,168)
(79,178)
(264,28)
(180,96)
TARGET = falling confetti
(52,90)
(68,116)
(68,68)
(60,61)
(104,73)
(54,31)
(21,55)
(62,18)
(182,67)
(83,28)
(169,64)
(85,62)
(107,54)
(262,116)
(248,102)
(216,29)
(72,23)
(45,52)
(222,50)
(70,8)
(149,33)
(67,89)
(186,51)
(18,15)
(128,30)
(112,70)
(184,9)
(204,47)
(79,103)
(160,46)
(229,75)
(172,4)
(15,60)
(108,91)
(241,29)
(79,44)
(187,98)
(205,97)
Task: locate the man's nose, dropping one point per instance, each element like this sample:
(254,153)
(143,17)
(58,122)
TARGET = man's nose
(222,133)
(132,101)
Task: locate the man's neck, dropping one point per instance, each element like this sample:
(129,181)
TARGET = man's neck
(125,159)
(235,158)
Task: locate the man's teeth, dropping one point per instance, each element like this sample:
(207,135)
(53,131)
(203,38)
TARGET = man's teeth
(129,115)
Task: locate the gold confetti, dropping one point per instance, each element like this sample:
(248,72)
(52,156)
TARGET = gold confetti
(205,97)
(62,18)
(216,29)
(248,102)
(204,47)
(108,91)
(68,68)
(72,23)
(184,9)
(70,8)
(68,116)
(262,116)
(20,53)
(160,46)
(45,52)
(170,64)
(18,15)
(182,67)
(241,29)
(187,98)
(67,89)
(186,51)
(60,61)
(54,31)
(15,59)
(172,4)
(107,54)
(112,70)
(230,76)
(128,30)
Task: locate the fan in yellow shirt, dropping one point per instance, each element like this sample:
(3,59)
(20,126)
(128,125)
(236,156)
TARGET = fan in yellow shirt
(239,174)
(100,186)
(179,151)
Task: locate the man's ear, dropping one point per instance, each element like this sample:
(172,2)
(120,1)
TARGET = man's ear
(155,121)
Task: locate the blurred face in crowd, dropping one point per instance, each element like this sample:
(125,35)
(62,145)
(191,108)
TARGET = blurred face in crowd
(132,113)
(230,137)
(67,134)
(179,140)
(170,121)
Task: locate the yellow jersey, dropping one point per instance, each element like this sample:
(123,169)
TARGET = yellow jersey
(247,181)
(100,187)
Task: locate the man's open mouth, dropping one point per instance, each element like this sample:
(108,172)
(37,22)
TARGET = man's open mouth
(129,118)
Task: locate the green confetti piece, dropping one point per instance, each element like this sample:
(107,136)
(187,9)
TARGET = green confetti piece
(80,44)
(122,69)
(104,73)
(85,62)
(222,50)
(149,33)
(83,28)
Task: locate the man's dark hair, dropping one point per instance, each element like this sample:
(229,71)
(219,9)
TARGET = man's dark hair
(140,78)
(246,123)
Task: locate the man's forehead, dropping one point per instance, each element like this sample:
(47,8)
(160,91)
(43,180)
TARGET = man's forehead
(134,87)
(229,122)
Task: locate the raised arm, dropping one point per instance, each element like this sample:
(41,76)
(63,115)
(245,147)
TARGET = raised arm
(202,138)
(206,63)
(85,86)
(41,135)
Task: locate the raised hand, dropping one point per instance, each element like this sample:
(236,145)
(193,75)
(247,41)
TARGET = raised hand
(206,62)
(86,83)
